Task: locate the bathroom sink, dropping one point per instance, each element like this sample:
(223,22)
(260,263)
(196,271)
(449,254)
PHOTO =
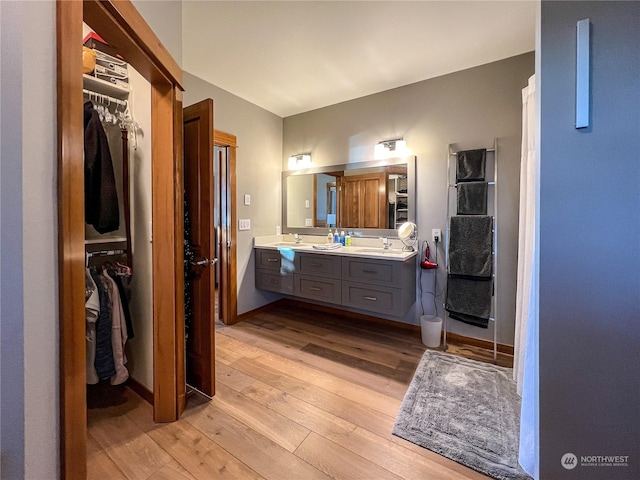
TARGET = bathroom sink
(289,244)
(378,251)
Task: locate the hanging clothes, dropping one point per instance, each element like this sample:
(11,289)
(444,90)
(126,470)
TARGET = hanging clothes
(92,312)
(124,302)
(118,331)
(104,363)
(100,196)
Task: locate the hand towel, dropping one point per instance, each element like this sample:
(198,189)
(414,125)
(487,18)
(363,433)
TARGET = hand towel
(470,165)
(472,198)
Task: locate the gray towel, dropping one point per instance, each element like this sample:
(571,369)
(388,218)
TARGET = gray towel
(469,299)
(472,198)
(470,165)
(470,245)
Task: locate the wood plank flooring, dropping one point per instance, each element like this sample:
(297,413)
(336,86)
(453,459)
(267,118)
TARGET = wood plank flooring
(299,395)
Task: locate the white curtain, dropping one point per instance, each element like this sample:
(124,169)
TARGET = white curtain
(526,297)
(525,366)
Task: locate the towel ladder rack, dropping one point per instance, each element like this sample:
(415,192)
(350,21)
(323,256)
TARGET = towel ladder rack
(494,298)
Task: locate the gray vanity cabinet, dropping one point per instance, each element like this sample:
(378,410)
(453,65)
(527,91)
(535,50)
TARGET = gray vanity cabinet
(273,271)
(375,285)
(318,277)
(383,286)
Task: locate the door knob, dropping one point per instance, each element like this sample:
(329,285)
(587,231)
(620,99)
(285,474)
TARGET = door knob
(214,261)
(202,263)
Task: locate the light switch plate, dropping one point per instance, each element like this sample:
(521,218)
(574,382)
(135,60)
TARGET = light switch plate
(306,204)
(244,224)
(308,222)
(247,199)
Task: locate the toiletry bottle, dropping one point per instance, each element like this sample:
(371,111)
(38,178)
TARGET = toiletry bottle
(342,237)
(347,239)
(336,239)
(330,237)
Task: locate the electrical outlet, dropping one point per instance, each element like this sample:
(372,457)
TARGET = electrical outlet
(436,235)
(277,229)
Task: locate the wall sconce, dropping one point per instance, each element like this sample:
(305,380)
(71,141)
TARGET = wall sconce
(302,160)
(390,148)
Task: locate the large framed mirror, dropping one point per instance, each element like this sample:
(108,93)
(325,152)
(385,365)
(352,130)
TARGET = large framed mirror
(366,198)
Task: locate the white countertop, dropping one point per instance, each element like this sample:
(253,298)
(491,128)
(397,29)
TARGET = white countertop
(361,247)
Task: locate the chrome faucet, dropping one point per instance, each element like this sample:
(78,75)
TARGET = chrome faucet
(297,238)
(386,243)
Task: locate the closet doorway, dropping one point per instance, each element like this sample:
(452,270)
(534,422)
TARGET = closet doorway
(120,25)
(225,161)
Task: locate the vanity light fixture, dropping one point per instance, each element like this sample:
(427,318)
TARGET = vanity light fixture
(301,160)
(390,148)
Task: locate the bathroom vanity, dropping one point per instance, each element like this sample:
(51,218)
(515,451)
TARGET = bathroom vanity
(367,278)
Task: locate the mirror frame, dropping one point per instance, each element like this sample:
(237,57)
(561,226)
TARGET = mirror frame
(410,161)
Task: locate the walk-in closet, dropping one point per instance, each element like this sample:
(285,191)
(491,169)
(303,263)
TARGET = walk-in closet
(118,204)
(117,107)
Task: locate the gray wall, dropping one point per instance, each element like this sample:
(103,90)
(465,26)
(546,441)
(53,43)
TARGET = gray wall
(258,171)
(165,19)
(28,262)
(468,108)
(589,240)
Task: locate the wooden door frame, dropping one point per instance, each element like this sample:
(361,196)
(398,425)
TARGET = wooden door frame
(120,24)
(229,266)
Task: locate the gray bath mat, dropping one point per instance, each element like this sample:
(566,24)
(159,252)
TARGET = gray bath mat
(465,410)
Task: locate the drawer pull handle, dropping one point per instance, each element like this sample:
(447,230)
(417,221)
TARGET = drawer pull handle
(272,259)
(315,264)
(373,299)
(369,271)
(273,282)
(316,289)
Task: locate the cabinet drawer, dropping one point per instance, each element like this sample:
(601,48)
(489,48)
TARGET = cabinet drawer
(323,289)
(376,272)
(268,259)
(372,298)
(275,282)
(319,265)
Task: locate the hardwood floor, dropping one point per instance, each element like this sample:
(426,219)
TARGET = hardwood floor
(299,395)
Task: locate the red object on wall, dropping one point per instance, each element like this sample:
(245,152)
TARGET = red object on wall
(427,264)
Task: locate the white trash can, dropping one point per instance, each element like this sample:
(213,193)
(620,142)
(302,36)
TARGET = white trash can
(431,329)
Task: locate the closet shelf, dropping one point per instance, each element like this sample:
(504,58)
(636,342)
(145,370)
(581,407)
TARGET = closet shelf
(102,86)
(106,239)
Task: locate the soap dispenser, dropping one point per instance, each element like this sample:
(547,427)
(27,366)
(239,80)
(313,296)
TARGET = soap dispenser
(336,238)
(329,237)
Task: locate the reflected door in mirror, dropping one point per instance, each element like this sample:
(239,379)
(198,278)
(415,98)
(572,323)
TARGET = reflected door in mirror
(363,201)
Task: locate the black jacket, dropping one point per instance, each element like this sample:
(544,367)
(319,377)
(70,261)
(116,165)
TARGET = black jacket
(100,196)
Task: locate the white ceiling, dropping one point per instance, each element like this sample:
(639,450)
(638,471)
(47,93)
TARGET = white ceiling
(290,57)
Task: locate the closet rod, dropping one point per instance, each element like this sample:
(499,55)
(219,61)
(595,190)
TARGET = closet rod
(101,97)
(105,253)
